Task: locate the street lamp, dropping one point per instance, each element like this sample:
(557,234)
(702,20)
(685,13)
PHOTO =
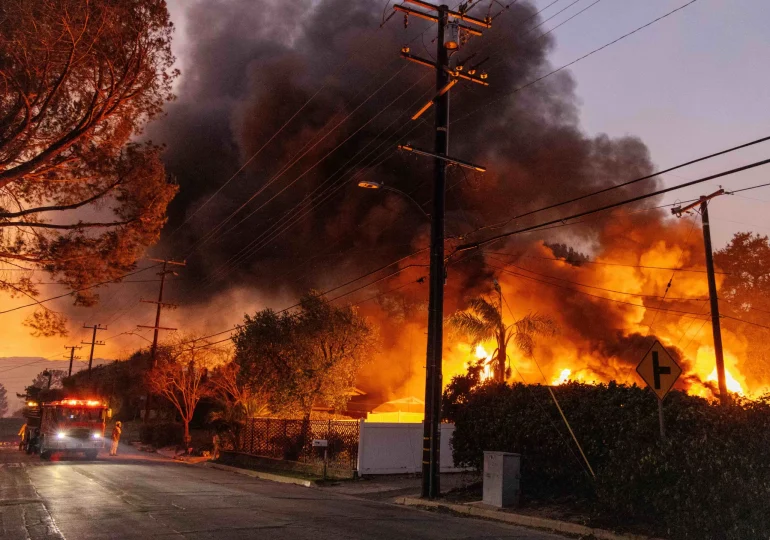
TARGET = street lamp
(371,184)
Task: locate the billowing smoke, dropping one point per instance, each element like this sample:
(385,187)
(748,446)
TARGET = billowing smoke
(248,69)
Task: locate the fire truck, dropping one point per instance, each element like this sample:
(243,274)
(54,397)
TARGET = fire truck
(72,425)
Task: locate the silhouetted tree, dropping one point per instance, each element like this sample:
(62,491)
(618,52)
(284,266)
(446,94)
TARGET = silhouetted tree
(78,199)
(484,321)
(181,376)
(307,357)
(745,293)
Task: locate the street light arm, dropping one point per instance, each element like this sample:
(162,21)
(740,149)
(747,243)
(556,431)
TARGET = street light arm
(406,195)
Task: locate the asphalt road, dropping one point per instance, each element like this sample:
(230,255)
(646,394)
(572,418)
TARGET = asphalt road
(137,496)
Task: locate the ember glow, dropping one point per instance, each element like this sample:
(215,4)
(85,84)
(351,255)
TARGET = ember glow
(609,309)
(732,384)
(609,315)
(563,377)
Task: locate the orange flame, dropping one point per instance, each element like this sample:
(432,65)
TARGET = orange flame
(482,354)
(563,377)
(732,384)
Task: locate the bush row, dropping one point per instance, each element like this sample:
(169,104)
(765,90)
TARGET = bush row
(710,478)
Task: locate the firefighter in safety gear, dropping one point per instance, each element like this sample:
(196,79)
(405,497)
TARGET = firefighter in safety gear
(23,435)
(116,431)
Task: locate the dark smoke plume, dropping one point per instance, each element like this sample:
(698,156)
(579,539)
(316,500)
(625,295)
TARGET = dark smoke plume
(249,68)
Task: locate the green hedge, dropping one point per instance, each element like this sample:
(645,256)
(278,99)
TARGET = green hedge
(710,479)
(162,434)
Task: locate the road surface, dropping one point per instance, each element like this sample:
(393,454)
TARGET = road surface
(140,496)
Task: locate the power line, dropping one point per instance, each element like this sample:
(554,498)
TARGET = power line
(289,217)
(634,181)
(77,290)
(420,279)
(297,219)
(328,291)
(568,19)
(539,227)
(39,361)
(367,285)
(370,36)
(745,321)
(516,274)
(473,245)
(535,81)
(601,288)
(579,262)
(275,177)
(254,155)
(733,192)
(619,38)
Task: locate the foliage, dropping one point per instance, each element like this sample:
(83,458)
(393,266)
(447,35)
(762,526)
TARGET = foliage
(78,198)
(567,253)
(711,479)
(119,383)
(162,434)
(238,399)
(56,376)
(459,390)
(181,376)
(38,390)
(484,321)
(297,360)
(746,261)
(249,395)
(745,293)
(3,401)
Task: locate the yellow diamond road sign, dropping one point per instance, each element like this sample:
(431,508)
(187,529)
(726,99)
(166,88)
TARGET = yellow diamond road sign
(659,370)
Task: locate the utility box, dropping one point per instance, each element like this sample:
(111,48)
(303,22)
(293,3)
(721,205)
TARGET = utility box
(502,472)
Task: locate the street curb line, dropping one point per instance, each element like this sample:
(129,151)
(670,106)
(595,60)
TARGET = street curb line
(261,475)
(520,519)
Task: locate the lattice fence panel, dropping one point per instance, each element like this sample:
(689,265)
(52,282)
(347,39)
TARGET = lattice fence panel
(292,440)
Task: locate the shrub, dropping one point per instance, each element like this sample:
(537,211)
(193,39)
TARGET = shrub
(163,434)
(709,479)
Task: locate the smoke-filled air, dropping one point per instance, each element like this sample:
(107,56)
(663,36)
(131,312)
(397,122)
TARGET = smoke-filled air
(312,104)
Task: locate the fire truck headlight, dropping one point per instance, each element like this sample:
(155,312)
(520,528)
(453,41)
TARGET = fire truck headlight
(61,435)
(96,435)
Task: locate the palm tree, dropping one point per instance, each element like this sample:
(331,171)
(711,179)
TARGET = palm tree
(484,320)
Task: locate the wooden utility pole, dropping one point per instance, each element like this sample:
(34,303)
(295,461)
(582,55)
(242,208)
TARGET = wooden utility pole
(72,356)
(93,343)
(724,397)
(448,40)
(157,327)
(160,305)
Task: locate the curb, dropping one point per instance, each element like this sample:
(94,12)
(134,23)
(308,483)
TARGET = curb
(488,512)
(261,475)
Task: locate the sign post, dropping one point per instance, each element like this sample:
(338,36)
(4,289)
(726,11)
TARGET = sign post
(660,371)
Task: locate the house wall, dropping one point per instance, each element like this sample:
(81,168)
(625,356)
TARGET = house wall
(390,448)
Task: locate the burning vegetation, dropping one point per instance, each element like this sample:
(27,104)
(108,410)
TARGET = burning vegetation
(603,281)
(292,218)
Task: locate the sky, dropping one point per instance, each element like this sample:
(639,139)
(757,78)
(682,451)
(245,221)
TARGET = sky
(691,84)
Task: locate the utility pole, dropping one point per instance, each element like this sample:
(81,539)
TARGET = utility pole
(93,343)
(72,356)
(160,305)
(157,327)
(724,397)
(448,41)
